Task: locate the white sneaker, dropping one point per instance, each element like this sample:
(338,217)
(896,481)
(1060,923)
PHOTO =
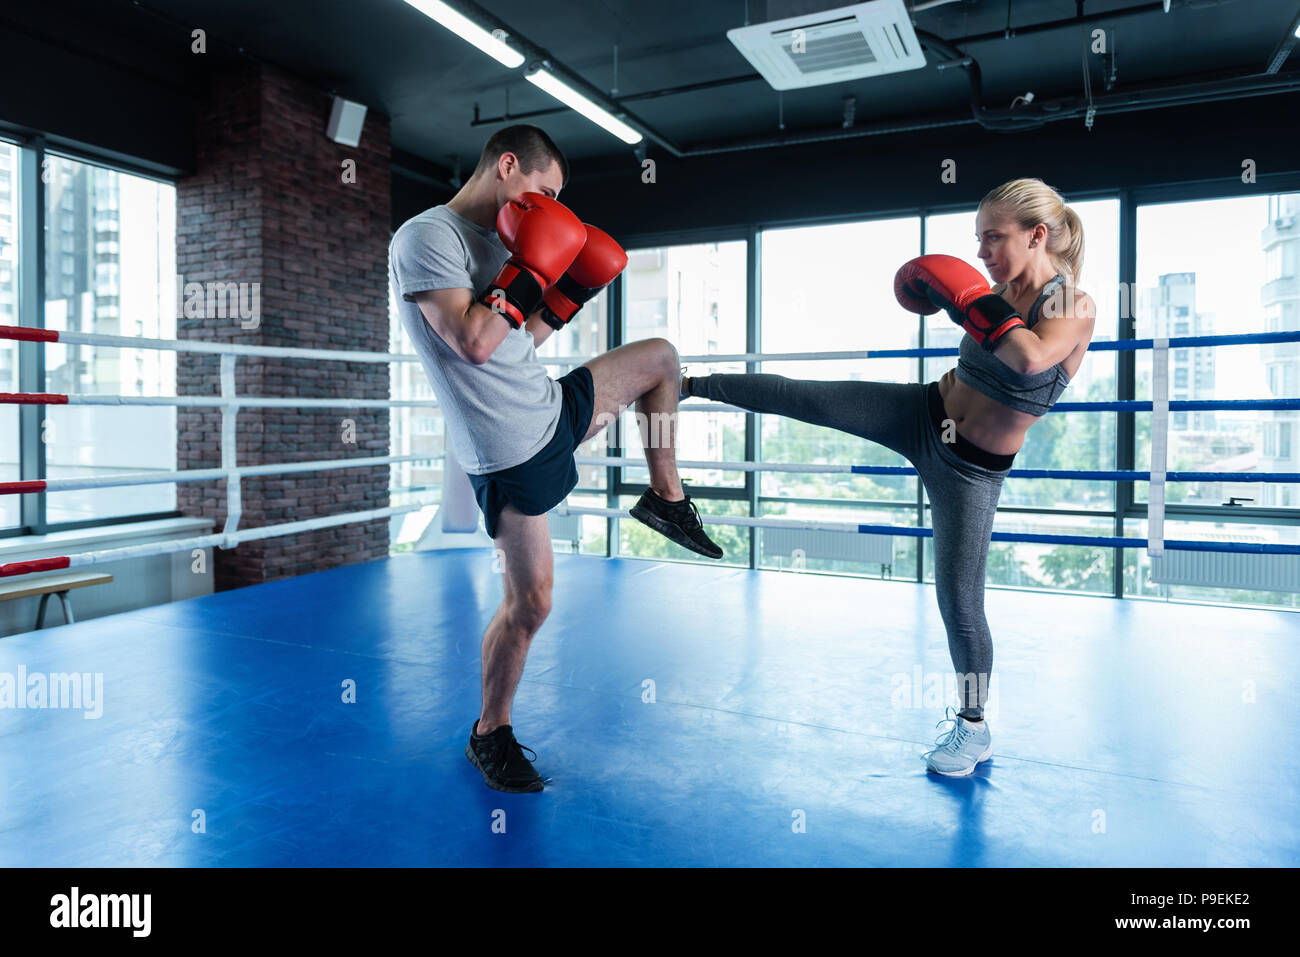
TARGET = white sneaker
(959,749)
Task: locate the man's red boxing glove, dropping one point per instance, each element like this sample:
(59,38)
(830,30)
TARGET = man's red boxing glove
(930,283)
(599,264)
(543,237)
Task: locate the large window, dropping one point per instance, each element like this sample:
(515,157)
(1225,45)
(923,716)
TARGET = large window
(584,336)
(109,268)
(828,288)
(694,296)
(9,451)
(110,253)
(1243,281)
(1062,440)
(413,430)
(420,430)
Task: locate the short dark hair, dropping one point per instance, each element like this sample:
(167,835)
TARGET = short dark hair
(530,143)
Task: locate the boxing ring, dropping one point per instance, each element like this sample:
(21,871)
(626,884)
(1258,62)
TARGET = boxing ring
(684,714)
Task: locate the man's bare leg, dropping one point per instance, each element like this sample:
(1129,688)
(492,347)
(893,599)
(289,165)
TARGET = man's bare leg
(523,545)
(646,373)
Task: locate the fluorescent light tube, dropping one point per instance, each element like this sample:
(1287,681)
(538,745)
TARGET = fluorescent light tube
(575,100)
(470,31)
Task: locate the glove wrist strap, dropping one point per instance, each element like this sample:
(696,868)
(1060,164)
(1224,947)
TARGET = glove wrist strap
(565,298)
(515,294)
(989,318)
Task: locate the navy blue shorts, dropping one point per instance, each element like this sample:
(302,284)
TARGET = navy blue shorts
(538,485)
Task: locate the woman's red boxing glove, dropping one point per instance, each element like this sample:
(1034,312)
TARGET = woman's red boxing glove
(930,283)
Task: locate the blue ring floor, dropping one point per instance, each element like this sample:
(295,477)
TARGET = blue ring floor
(788,715)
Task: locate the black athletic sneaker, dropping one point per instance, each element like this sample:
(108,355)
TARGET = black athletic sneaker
(500,759)
(678,521)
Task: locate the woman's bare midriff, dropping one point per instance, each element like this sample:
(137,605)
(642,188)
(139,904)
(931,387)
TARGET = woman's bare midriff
(982,421)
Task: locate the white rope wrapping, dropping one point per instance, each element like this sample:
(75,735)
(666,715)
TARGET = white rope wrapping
(145,550)
(242,401)
(1159,446)
(229,448)
(150,549)
(229,348)
(209,475)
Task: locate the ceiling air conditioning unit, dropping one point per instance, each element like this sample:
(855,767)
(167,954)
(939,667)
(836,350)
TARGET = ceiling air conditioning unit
(831,46)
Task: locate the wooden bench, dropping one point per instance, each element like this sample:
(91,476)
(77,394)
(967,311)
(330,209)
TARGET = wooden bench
(52,585)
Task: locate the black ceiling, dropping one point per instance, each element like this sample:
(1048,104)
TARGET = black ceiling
(390,57)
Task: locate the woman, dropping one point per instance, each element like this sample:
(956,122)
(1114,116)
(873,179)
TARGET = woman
(1025,341)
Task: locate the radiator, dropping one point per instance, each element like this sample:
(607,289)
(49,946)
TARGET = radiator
(565,528)
(839,546)
(1228,570)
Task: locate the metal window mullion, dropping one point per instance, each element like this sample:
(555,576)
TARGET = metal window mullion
(1126,379)
(31,312)
(920,374)
(753,344)
(615,318)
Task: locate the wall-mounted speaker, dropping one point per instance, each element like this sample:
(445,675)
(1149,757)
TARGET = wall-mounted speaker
(346,120)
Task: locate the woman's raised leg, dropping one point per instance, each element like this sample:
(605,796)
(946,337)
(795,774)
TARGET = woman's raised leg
(888,413)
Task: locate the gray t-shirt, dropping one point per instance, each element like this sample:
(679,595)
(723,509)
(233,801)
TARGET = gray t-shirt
(502,412)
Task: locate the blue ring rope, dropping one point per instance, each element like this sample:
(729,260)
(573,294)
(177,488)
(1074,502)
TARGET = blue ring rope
(1097,541)
(1117,345)
(1181,405)
(1111,475)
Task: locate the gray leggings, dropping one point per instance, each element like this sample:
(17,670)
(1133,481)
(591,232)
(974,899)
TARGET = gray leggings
(963,495)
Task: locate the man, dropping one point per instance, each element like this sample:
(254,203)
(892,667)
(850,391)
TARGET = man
(476,305)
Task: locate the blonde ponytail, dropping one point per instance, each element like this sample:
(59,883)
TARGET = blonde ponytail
(1069,261)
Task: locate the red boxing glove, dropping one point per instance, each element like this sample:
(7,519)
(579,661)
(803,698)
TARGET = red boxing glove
(599,264)
(543,237)
(930,283)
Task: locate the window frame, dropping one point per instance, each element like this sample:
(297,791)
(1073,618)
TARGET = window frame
(30,194)
(1124,507)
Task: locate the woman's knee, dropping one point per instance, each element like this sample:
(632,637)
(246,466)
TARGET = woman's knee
(962,609)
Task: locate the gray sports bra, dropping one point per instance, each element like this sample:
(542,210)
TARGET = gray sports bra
(984,372)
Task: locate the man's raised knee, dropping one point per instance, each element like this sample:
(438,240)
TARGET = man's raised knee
(668,353)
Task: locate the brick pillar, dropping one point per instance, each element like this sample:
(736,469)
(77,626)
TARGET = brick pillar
(268,205)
